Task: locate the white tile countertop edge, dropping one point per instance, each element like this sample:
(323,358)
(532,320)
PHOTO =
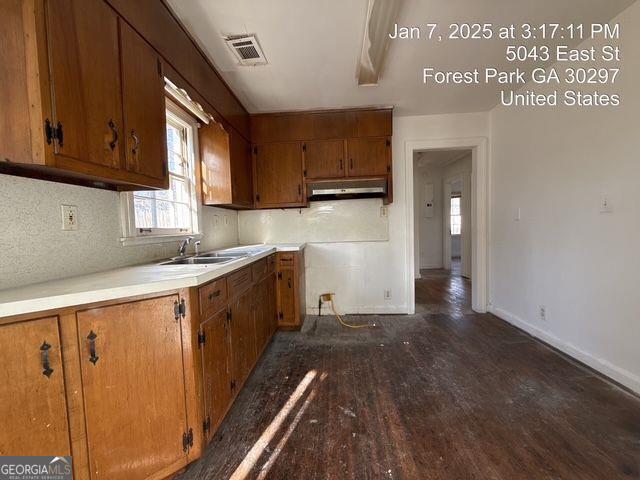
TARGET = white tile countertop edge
(122,283)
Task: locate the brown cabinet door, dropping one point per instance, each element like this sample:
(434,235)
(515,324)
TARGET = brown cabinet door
(241,171)
(216,370)
(264,311)
(215,164)
(278,168)
(369,156)
(32,396)
(324,159)
(144,107)
(272,305)
(85,75)
(134,394)
(370,123)
(287,297)
(243,340)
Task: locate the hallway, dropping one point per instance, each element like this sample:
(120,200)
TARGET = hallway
(441,291)
(444,394)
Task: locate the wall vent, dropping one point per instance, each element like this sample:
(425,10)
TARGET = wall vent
(246,49)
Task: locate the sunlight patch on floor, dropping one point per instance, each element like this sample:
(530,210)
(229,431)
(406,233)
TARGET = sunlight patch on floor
(269,433)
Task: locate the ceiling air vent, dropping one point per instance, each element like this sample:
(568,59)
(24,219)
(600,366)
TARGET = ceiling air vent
(246,49)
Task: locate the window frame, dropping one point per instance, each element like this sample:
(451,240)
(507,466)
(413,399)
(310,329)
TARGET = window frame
(459,215)
(133,235)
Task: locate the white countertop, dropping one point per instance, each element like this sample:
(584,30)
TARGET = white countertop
(123,282)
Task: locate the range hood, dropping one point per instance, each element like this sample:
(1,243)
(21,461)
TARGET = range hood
(349,188)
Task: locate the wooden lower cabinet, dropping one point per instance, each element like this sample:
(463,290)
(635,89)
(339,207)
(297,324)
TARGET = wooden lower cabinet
(32,396)
(134,388)
(243,340)
(216,373)
(264,311)
(290,290)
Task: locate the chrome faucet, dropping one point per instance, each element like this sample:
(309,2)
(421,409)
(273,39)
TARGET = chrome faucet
(183,246)
(197,247)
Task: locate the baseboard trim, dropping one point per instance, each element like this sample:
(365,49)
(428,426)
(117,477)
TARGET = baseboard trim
(432,266)
(615,373)
(353,310)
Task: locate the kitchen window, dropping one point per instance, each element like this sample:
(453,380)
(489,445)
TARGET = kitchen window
(456,216)
(152,216)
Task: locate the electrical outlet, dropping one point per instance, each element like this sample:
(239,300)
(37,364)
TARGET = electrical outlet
(69,217)
(517,214)
(387,294)
(384,211)
(543,313)
(226,220)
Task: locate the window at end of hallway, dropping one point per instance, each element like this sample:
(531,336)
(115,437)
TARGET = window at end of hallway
(456,216)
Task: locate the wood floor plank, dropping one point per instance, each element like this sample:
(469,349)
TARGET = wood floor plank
(444,394)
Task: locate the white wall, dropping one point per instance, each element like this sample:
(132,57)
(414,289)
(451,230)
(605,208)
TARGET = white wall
(34,248)
(428,231)
(582,265)
(462,246)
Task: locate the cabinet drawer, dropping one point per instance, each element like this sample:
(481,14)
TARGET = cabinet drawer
(286,259)
(213,297)
(259,269)
(239,281)
(271,264)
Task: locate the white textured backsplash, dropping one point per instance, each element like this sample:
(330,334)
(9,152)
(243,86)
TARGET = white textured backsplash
(34,248)
(357,220)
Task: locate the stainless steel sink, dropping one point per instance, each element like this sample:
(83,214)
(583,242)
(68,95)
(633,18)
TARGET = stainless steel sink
(199,260)
(224,255)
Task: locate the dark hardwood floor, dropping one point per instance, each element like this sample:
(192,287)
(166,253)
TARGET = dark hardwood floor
(444,394)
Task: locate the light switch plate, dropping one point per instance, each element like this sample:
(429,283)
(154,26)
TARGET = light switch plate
(605,204)
(69,217)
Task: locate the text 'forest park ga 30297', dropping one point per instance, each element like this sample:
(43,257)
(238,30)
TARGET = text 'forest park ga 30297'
(576,65)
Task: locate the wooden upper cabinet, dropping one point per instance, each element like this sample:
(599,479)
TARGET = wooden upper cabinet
(370,123)
(278,175)
(241,171)
(324,159)
(32,398)
(227,172)
(144,108)
(134,388)
(82,97)
(85,80)
(215,159)
(369,156)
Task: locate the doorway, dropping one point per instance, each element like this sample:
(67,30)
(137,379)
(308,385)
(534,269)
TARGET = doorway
(477,218)
(442,233)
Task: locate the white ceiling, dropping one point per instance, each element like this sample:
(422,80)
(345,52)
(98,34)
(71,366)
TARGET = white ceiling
(313,47)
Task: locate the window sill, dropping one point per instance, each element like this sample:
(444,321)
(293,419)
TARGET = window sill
(157,239)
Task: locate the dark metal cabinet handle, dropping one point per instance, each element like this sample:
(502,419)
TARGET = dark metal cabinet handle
(114,132)
(92,347)
(341,166)
(289,282)
(213,295)
(136,142)
(46,365)
(299,190)
(351,163)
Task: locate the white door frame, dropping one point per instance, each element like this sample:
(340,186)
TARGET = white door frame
(446,224)
(479,214)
